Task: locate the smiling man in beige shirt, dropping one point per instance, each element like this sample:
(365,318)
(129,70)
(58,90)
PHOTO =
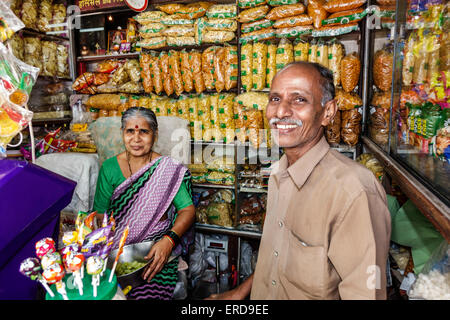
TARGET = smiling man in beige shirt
(327,228)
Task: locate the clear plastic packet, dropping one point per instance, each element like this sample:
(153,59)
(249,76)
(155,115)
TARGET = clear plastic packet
(62,60)
(165,72)
(152,43)
(350,70)
(283,2)
(193,10)
(382,68)
(351,126)
(178,31)
(155,73)
(152,30)
(219,69)
(222,11)
(293,31)
(199,30)
(175,21)
(170,8)
(250,3)
(9,23)
(247,66)
(218,36)
(29,13)
(49,58)
(147,17)
(256,25)
(285,53)
(284,11)
(186,71)
(333,130)
(16,45)
(289,22)
(253,14)
(180,41)
(59,15)
(260,35)
(144,62)
(347,100)
(175,71)
(197,71)
(221,25)
(329,31)
(33,51)
(253,100)
(271,68)
(226,116)
(45,15)
(335,55)
(344,17)
(231,67)
(316,11)
(342,5)
(301,48)
(208,67)
(259,65)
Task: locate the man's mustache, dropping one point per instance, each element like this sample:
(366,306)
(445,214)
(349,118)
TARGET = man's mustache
(286,121)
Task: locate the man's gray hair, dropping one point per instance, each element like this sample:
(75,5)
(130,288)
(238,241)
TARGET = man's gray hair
(326,79)
(145,113)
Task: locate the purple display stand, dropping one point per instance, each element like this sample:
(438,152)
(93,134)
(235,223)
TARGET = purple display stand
(31,199)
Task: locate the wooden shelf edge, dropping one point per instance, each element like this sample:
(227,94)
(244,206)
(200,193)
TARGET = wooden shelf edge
(431,206)
(228,231)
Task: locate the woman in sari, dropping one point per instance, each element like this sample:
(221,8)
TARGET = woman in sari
(151,194)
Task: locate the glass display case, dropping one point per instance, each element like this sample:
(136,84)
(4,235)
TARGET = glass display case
(407,84)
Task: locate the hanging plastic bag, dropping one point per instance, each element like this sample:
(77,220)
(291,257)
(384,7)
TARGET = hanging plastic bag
(9,23)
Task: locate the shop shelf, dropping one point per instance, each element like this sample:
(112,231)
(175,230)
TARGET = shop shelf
(214,186)
(131,55)
(228,231)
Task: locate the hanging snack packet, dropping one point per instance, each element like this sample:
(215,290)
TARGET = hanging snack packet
(271,68)
(285,53)
(350,69)
(204,113)
(222,11)
(256,26)
(253,14)
(97,242)
(165,71)
(322,53)
(317,12)
(9,23)
(301,48)
(339,5)
(221,25)
(145,60)
(175,71)
(335,55)
(285,11)
(182,106)
(186,71)
(247,66)
(226,116)
(208,67)
(219,69)
(231,67)
(197,71)
(259,65)
(250,3)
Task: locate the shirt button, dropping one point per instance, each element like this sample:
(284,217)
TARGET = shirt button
(280,223)
(276,253)
(274,282)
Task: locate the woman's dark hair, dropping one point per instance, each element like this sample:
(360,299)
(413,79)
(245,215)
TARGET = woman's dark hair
(145,113)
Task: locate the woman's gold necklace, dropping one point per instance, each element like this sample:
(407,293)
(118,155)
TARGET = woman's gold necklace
(128,161)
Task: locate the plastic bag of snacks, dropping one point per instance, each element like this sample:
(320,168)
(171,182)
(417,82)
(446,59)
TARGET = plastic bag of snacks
(286,11)
(197,72)
(347,100)
(344,17)
(62,56)
(16,81)
(293,32)
(165,71)
(382,68)
(152,30)
(145,60)
(289,22)
(155,73)
(259,65)
(193,114)
(350,126)
(170,8)
(240,122)
(260,35)
(182,106)
(204,111)
(180,41)
(379,125)
(285,53)
(408,60)
(150,17)
(186,71)
(335,54)
(256,25)
(178,31)
(253,124)
(17,46)
(283,2)
(250,3)
(220,213)
(342,5)
(226,116)
(208,67)
(333,130)
(301,48)
(29,13)
(215,177)
(222,11)
(9,23)
(59,15)
(215,132)
(322,53)
(221,25)
(221,164)
(193,10)
(152,43)
(329,31)
(247,66)
(218,36)
(133,69)
(120,76)
(175,21)
(199,30)
(350,69)
(271,68)
(253,14)
(316,11)
(312,54)
(32,51)
(231,67)
(45,15)
(253,100)
(219,69)
(175,71)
